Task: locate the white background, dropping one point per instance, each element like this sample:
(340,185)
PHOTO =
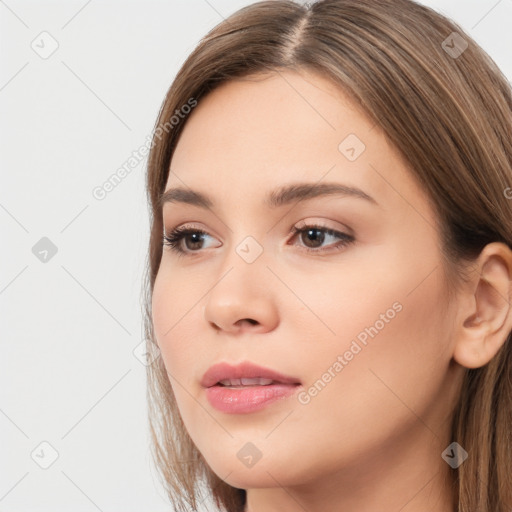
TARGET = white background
(69,326)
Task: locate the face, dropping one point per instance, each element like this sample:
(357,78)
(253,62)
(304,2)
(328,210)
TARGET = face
(351,304)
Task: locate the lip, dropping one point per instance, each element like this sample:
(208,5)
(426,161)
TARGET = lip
(238,400)
(222,371)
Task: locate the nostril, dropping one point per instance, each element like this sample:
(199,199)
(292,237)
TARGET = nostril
(250,320)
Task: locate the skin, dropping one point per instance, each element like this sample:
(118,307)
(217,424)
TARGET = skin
(372,438)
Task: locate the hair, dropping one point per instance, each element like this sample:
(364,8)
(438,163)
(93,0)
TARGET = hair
(448,115)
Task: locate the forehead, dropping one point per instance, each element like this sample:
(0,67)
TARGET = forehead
(255,134)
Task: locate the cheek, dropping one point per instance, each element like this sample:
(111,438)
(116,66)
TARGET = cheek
(387,300)
(161,306)
(176,294)
(174,313)
(389,358)
(386,319)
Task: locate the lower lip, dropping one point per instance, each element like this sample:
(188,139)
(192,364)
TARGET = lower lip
(247,399)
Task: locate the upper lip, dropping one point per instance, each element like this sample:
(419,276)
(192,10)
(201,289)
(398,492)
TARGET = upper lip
(222,371)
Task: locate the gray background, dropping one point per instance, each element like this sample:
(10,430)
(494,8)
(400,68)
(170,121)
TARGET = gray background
(72,370)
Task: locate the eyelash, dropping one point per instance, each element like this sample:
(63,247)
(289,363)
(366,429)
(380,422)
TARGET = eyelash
(174,238)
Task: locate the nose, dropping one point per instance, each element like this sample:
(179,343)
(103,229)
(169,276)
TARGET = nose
(241,299)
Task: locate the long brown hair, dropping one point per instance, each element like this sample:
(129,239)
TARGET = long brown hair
(445,105)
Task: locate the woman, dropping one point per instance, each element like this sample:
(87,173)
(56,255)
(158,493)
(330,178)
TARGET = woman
(330,265)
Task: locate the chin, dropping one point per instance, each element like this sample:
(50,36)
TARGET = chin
(251,478)
(264,473)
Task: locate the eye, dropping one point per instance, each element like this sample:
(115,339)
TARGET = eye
(183,233)
(313,236)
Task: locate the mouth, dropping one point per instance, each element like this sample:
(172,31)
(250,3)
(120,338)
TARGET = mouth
(246,382)
(246,388)
(244,375)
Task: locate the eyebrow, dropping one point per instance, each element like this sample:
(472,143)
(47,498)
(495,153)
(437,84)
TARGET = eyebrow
(280,197)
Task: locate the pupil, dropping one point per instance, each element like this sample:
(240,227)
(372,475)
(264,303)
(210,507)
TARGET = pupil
(313,238)
(196,238)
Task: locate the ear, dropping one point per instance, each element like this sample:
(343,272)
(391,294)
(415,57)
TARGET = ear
(484,319)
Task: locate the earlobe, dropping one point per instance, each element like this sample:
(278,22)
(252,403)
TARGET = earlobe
(486,315)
